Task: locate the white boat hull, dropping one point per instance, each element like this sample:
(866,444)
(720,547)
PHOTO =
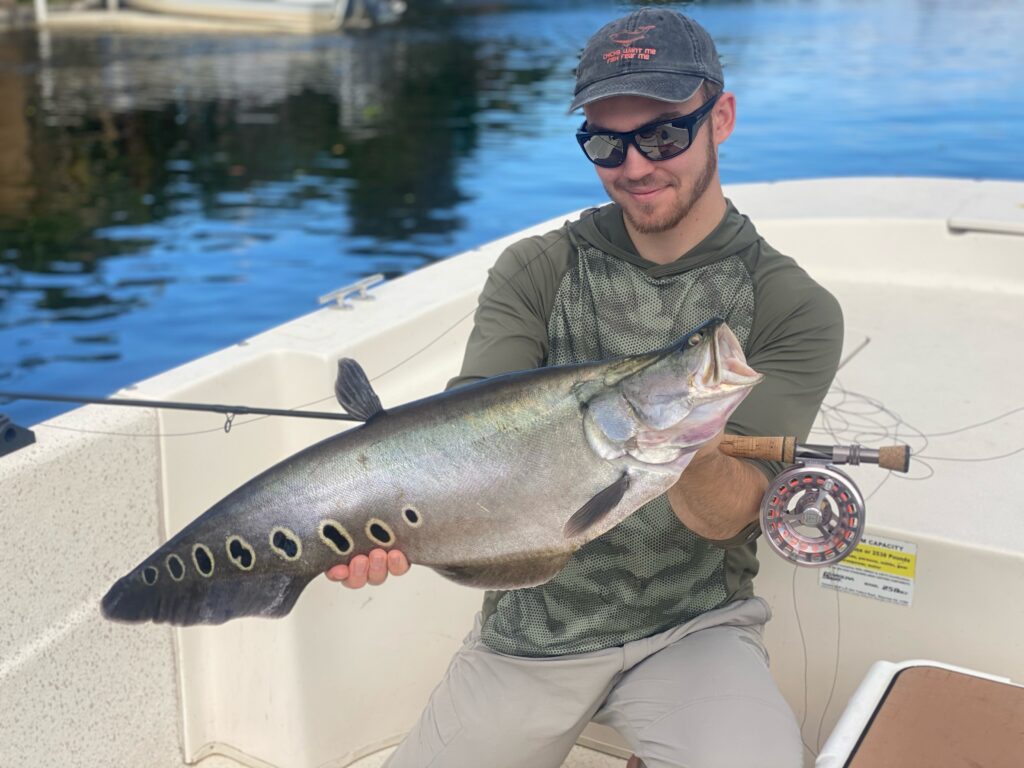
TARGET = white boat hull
(933,278)
(311,15)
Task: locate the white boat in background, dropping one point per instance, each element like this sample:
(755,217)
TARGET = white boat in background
(930,273)
(314,15)
(301,16)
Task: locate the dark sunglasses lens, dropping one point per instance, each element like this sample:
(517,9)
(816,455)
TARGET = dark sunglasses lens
(604,150)
(663,141)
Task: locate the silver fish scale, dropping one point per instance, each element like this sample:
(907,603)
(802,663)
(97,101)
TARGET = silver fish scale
(650,572)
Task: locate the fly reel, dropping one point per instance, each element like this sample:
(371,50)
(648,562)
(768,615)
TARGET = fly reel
(812,513)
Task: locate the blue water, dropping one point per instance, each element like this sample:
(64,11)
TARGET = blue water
(163,197)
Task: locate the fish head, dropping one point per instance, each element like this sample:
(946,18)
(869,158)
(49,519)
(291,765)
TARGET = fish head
(686,394)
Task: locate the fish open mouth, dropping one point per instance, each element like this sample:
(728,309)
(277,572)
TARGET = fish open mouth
(725,367)
(682,404)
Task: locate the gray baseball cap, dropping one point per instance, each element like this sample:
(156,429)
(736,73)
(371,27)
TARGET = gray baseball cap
(652,52)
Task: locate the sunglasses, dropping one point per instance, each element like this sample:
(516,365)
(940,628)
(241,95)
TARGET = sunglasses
(661,140)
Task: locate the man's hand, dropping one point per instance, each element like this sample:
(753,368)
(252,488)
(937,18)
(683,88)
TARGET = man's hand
(717,496)
(707,452)
(370,569)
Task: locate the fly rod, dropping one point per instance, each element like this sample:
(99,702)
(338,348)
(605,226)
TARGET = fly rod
(228,410)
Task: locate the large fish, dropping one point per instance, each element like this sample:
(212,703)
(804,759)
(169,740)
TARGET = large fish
(494,484)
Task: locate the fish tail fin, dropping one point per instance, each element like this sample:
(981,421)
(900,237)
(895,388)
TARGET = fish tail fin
(140,596)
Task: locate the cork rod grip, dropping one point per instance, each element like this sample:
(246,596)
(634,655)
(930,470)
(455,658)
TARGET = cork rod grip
(894,457)
(771,448)
(785,449)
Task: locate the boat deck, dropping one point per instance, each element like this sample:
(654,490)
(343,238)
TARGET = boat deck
(930,274)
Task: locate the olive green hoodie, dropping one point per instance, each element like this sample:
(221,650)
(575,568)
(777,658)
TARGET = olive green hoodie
(582,292)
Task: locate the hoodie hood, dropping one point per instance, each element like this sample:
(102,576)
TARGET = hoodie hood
(605,229)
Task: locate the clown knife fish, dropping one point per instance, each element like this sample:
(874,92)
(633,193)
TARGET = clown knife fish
(493,485)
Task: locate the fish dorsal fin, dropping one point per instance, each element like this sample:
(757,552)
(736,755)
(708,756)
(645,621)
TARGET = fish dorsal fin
(506,574)
(354,391)
(595,510)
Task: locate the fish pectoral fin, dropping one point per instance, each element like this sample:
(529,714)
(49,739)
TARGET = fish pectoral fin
(595,510)
(506,574)
(354,391)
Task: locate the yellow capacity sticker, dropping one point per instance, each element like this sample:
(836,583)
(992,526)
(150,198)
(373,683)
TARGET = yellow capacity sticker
(882,560)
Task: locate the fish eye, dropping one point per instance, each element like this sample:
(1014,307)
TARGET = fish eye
(695,339)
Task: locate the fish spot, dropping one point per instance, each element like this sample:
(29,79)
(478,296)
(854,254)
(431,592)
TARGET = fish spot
(150,575)
(175,567)
(240,553)
(336,537)
(285,543)
(203,558)
(380,532)
(412,516)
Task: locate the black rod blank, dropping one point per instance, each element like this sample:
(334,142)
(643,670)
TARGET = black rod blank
(229,410)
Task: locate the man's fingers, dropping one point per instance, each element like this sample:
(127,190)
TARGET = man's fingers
(397,563)
(378,568)
(372,569)
(337,573)
(358,567)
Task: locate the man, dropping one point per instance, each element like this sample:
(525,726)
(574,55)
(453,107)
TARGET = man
(653,628)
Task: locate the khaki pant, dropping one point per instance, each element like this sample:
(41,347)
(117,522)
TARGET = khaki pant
(698,695)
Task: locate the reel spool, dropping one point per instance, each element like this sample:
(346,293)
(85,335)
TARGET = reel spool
(813,514)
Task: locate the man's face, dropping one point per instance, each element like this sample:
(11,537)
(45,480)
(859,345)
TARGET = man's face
(655,196)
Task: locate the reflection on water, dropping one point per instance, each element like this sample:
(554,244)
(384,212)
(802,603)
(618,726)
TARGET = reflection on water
(161,197)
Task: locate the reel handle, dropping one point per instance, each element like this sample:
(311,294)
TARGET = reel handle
(788,451)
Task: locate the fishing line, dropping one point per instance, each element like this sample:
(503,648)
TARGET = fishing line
(878,487)
(856,351)
(884,434)
(843,412)
(828,416)
(979,424)
(974,460)
(150,435)
(835,671)
(803,642)
(861,423)
(847,415)
(295,410)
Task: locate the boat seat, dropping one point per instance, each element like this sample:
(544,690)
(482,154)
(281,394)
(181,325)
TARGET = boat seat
(923,713)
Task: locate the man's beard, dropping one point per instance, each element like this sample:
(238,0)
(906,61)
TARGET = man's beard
(649,226)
